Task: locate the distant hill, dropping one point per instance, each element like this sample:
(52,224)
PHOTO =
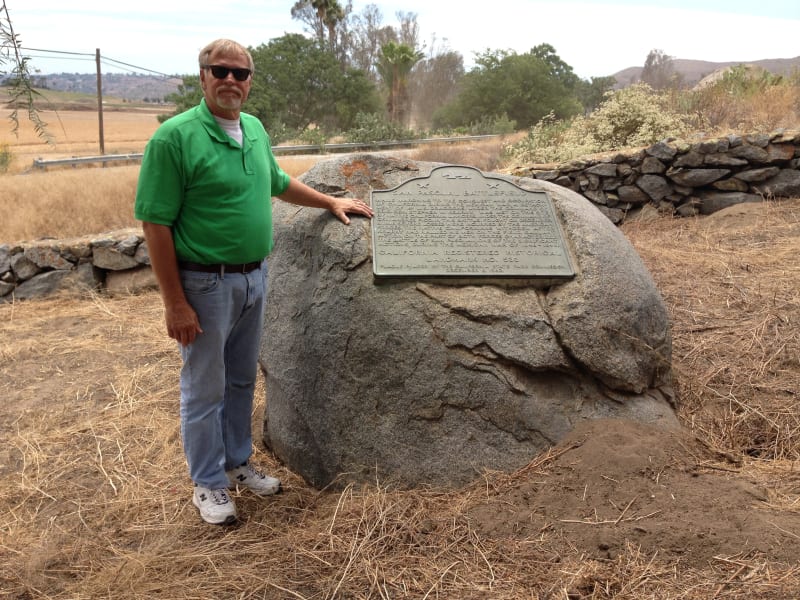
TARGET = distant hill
(139,88)
(149,88)
(692,71)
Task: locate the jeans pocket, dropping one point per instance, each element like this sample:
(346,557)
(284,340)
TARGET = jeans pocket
(198,283)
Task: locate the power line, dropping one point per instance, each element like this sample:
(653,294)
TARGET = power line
(65,58)
(119,62)
(56,51)
(103,59)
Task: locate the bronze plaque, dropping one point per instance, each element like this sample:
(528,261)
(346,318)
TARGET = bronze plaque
(459,222)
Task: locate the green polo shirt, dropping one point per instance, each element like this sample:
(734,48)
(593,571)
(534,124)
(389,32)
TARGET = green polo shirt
(213,193)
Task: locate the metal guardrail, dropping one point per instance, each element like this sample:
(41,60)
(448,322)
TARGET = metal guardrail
(40,163)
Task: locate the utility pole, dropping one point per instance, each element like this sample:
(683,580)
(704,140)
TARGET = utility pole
(100,101)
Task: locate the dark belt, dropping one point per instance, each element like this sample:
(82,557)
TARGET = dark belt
(221,269)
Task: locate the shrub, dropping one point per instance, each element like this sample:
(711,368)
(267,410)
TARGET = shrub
(633,116)
(547,141)
(315,137)
(744,98)
(493,125)
(6,156)
(743,80)
(376,128)
(279,133)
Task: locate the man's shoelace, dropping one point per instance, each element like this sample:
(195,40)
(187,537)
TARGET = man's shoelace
(219,496)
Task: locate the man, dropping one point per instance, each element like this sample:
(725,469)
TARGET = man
(204,199)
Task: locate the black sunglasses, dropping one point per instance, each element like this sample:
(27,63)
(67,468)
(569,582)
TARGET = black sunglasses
(221,72)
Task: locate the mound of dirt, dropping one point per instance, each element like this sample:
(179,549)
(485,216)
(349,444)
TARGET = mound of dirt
(613,482)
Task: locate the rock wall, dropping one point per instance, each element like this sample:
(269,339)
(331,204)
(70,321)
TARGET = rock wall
(117,262)
(683,178)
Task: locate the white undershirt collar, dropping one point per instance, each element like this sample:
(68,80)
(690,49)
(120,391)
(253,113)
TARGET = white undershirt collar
(232,127)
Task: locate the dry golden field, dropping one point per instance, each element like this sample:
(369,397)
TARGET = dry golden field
(76,133)
(73,201)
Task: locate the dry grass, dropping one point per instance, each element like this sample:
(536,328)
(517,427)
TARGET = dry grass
(67,202)
(484,155)
(732,282)
(70,202)
(76,133)
(94,497)
(718,113)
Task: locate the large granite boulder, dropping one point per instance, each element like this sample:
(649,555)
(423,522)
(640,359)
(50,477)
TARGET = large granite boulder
(417,381)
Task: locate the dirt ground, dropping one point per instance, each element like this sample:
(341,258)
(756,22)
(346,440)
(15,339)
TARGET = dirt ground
(616,483)
(94,501)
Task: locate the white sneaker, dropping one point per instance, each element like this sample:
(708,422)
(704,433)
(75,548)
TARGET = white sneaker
(248,476)
(215,506)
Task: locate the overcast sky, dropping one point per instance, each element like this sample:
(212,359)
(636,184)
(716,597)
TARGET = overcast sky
(596,38)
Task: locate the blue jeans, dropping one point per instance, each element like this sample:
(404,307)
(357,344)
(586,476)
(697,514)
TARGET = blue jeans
(219,371)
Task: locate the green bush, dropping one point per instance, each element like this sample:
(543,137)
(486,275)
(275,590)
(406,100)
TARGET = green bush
(744,80)
(5,158)
(315,137)
(492,125)
(279,133)
(633,116)
(375,128)
(546,142)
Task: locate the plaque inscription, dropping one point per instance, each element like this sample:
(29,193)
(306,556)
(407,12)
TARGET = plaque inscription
(458,222)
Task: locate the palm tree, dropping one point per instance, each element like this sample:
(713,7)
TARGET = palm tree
(394,65)
(329,13)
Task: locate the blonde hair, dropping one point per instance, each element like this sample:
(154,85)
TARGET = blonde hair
(225,47)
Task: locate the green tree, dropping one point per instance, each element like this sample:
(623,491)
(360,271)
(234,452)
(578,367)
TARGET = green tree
(298,83)
(363,36)
(20,87)
(524,87)
(592,92)
(189,94)
(558,68)
(394,66)
(659,71)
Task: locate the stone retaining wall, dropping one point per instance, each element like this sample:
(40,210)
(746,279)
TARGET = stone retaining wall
(677,177)
(117,262)
(683,178)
